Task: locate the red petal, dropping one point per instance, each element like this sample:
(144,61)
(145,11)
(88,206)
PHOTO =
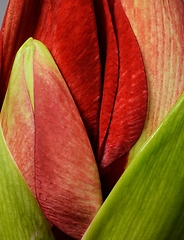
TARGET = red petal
(67,181)
(110,66)
(68,29)
(131,99)
(18,25)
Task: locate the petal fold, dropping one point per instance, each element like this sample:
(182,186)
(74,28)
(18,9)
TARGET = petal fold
(127,96)
(110,66)
(131,98)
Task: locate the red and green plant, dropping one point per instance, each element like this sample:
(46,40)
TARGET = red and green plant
(91,95)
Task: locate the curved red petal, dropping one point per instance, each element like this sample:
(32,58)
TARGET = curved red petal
(130,106)
(68,29)
(110,66)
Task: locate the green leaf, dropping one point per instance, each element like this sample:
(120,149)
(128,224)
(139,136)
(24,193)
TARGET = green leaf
(148,200)
(20,215)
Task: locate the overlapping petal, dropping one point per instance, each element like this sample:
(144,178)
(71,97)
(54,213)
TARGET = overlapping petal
(159,29)
(124,97)
(104,83)
(105,59)
(110,66)
(131,98)
(43,128)
(68,29)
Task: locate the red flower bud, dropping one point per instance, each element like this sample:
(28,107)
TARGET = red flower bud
(47,138)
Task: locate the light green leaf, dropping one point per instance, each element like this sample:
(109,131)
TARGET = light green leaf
(20,215)
(147,203)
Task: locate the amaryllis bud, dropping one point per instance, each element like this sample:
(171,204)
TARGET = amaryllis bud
(48,140)
(101,62)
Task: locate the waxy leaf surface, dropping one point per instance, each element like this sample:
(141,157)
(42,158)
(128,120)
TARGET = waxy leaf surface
(66,181)
(147,202)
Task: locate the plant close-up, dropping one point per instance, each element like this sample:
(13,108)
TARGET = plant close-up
(91,120)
